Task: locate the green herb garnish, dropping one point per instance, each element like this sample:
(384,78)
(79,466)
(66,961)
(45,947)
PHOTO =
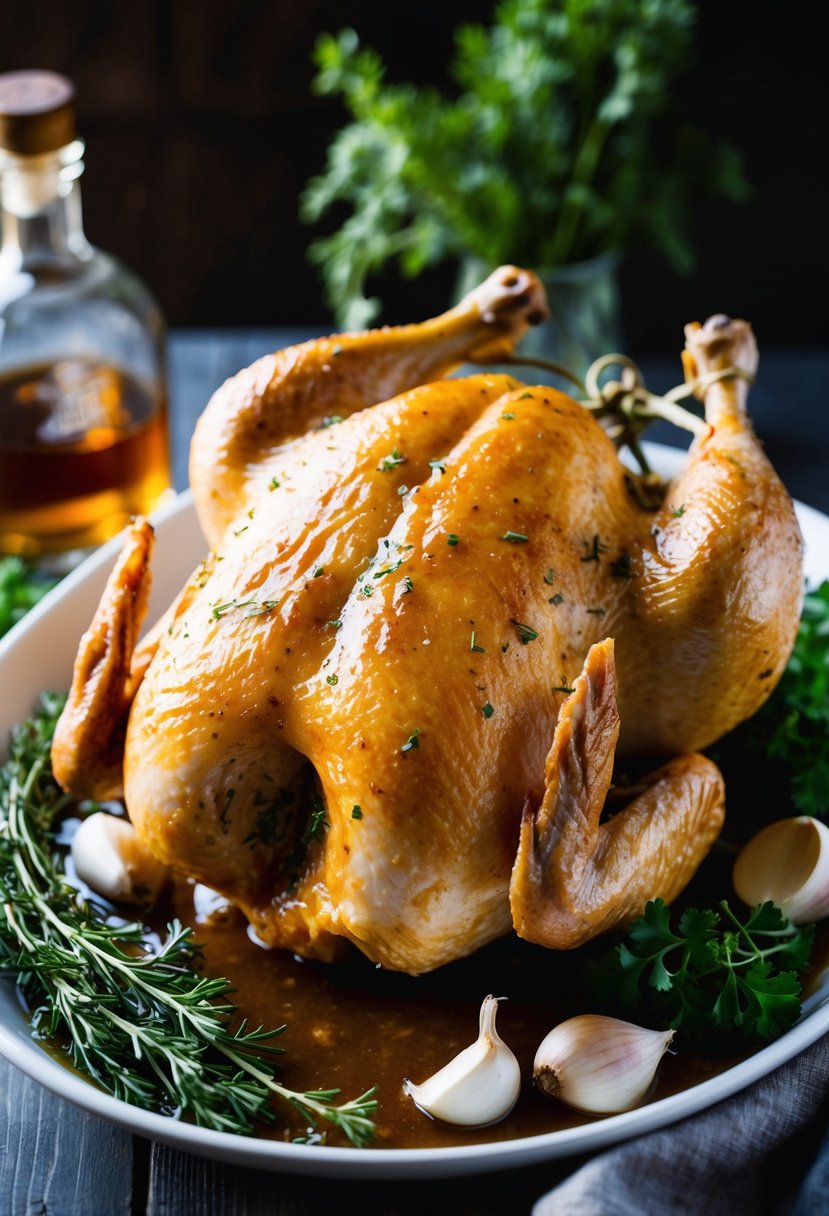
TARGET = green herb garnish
(412,742)
(136,1017)
(261,609)
(452,539)
(273,821)
(20,590)
(390,569)
(526,633)
(487,710)
(317,824)
(515,538)
(254,607)
(220,610)
(391,461)
(717,979)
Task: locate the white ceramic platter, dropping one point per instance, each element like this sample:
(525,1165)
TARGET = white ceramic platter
(38,654)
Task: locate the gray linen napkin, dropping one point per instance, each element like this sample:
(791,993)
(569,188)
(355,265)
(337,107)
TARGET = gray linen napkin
(753,1153)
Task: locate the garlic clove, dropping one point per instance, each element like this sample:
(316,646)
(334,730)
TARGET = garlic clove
(479,1086)
(787,862)
(212,908)
(599,1064)
(110,857)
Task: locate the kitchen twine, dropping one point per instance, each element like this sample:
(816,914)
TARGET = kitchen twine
(625,407)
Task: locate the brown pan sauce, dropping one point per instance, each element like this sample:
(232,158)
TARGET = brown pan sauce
(352,1025)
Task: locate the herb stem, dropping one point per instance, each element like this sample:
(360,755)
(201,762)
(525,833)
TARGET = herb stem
(584,169)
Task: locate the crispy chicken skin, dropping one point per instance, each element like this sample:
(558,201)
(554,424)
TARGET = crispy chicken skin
(339,724)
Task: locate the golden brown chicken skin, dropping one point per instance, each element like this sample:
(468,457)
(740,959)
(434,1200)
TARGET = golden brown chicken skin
(340,725)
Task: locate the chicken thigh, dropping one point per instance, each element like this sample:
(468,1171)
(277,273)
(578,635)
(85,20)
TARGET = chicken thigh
(403,627)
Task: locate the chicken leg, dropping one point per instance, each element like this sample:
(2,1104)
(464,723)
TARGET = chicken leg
(253,418)
(717,581)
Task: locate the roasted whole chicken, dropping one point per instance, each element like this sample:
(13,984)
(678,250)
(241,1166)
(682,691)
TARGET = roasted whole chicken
(385,709)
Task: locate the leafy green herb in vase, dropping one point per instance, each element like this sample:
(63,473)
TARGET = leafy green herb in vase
(545,156)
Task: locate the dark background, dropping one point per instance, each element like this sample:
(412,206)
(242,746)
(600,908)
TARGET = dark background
(201,131)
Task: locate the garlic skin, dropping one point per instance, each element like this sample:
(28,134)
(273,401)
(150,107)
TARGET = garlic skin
(598,1064)
(479,1086)
(111,859)
(787,862)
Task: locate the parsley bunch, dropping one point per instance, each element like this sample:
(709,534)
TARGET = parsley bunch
(546,154)
(20,590)
(140,1021)
(722,982)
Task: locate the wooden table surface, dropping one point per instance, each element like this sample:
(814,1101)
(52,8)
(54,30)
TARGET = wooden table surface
(58,1161)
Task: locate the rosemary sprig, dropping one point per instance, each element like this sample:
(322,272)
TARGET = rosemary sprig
(140,1021)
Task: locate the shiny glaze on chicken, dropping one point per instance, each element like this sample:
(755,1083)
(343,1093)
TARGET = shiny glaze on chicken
(357,720)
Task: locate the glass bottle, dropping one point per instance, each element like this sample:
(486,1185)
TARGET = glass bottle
(83,410)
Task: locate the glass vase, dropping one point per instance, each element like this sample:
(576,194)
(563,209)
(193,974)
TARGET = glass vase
(585,313)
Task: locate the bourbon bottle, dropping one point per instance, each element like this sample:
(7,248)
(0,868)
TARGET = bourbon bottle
(83,411)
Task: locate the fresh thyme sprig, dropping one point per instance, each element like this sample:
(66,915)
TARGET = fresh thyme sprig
(139,1021)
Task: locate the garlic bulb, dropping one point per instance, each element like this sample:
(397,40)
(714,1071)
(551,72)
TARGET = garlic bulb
(599,1064)
(110,858)
(479,1086)
(787,862)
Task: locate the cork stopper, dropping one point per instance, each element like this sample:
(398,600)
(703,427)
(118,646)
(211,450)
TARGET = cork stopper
(37,112)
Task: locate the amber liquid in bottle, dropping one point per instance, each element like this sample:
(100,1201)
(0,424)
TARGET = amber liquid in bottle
(83,447)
